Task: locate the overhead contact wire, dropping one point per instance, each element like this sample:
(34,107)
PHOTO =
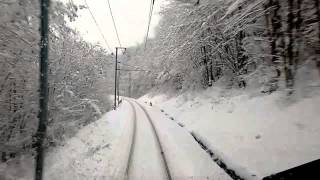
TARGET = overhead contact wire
(95,21)
(114,23)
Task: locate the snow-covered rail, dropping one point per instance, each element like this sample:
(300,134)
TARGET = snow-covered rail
(151,146)
(158,140)
(132,137)
(146,156)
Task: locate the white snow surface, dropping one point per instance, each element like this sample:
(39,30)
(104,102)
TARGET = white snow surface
(89,155)
(185,158)
(254,134)
(146,162)
(101,151)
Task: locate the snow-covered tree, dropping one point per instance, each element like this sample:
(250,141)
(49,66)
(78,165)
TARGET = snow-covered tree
(236,43)
(77,76)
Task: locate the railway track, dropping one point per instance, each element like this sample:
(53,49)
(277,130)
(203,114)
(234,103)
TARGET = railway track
(153,148)
(146,159)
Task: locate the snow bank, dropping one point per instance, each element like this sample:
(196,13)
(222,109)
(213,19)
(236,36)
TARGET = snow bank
(88,155)
(263,134)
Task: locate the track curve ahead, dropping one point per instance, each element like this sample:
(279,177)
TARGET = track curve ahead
(146,158)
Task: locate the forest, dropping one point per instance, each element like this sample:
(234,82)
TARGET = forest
(243,43)
(78,78)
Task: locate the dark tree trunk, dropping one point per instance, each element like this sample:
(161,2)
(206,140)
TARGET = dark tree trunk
(289,65)
(217,67)
(242,59)
(205,61)
(210,64)
(3,156)
(298,35)
(211,71)
(274,22)
(316,4)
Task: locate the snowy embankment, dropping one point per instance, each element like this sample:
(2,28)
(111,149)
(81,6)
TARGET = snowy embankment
(90,154)
(255,135)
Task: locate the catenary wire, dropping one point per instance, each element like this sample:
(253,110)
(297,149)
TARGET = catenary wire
(95,21)
(149,22)
(114,23)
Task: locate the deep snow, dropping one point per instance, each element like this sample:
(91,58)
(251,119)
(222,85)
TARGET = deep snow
(90,155)
(101,151)
(254,134)
(185,158)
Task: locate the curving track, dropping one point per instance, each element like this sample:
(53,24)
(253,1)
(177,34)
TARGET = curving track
(158,149)
(146,158)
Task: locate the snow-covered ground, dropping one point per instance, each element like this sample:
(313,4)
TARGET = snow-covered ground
(186,160)
(255,134)
(101,151)
(89,155)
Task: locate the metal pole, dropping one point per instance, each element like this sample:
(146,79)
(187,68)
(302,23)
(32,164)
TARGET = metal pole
(43,89)
(129,94)
(115,80)
(118,84)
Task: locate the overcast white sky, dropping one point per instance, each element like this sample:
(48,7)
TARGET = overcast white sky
(131,18)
